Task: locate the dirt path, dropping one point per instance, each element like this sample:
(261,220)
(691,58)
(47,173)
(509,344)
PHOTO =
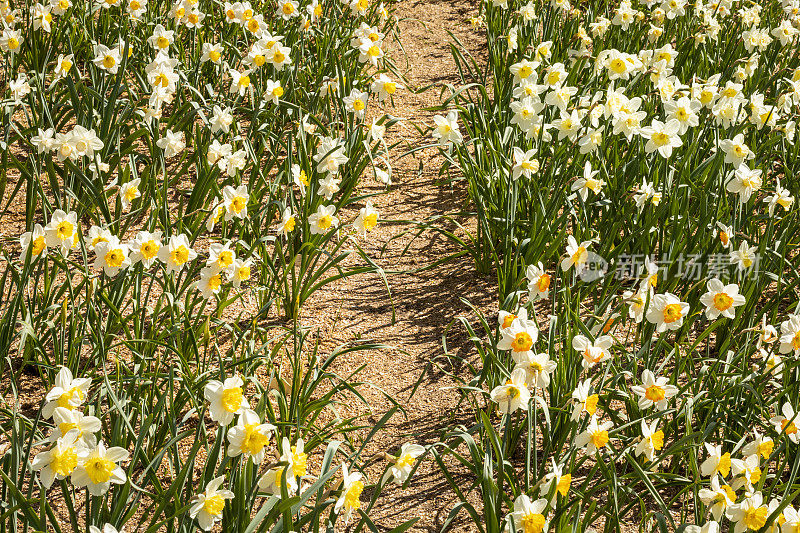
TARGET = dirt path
(427,302)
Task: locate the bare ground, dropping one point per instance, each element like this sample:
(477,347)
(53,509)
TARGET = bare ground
(425,303)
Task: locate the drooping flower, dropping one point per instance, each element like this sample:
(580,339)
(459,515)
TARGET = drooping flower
(399,471)
(513,394)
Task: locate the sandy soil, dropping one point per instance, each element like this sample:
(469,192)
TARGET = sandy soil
(426,302)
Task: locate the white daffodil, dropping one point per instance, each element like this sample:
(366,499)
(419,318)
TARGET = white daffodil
(595,436)
(35,240)
(249,437)
(399,471)
(561,480)
(207,506)
(513,394)
(98,469)
(59,461)
(349,501)
(112,256)
(176,253)
(67,420)
(577,255)
(446,129)
(144,248)
(786,422)
(583,402)
(721,299)
(528,516)
(667,312)
(652,440)
(718,498)
(366,220)
(592,352)
(538,368)
(68,392)
(323,220)
(717,462)
(750,514)
(654,391)
(538,281)
(62,231)
(518,337)
(226,399)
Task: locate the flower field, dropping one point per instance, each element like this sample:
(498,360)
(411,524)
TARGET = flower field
(337,265)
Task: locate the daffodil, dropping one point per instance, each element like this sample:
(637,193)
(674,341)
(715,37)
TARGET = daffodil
(595,436)
(519,337)
(330,156)
(98,469)
(538,368)
(404,463)
(744,257)
(652,440)
(235,200)
(176,253)
(750,514)
(59,461)
(577,255)
(68,392)
(35,241)
(654,391)
(172,143)
(295,457)
(583,401)
(349,501)
(367,219)
(588,182)
(207,506)
(662,137)
(107,528)
(746,473)
(274,478)
(528,516)
(249,437)
(592,352)
(323,220)
(226,399)
(513,394)
(144,248)
(717,462)
(781,197)
(161,38)
(557,477)
(446,129)
(744,182)
(111,256)
(721,300)
(718,498)
(384,87)
(538,281)
(667,312)
(240,272)
(787,422)
(525,164)
(67,420)
(106,58)
(736,151)
(62,231)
